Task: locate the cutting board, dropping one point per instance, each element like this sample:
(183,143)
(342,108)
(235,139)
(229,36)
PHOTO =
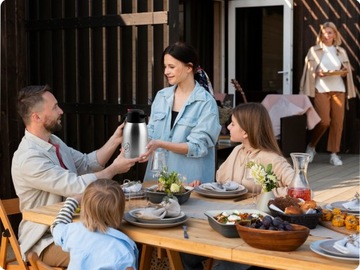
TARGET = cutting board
(342,230)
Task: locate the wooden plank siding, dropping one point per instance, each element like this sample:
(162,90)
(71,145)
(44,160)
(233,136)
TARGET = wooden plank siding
(99,57)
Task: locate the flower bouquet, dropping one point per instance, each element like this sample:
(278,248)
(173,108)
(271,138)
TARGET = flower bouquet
(170,184)
(264,176)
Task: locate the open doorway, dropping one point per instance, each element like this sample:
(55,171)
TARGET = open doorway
(260,47)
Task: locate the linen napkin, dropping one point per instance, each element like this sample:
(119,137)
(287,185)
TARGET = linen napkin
(353,205)
(228,186)
(172,207)
(151,213)
(131,187)
(348,245)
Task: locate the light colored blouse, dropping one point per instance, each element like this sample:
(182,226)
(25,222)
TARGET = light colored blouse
(330,61)
(234,169)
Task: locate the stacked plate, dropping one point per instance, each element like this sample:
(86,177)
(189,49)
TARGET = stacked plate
(325,248)
(166,222)
(340,206)
(221,191)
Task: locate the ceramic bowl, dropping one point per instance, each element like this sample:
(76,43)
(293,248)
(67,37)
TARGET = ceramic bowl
(157,196)
(274,240)
(227,230)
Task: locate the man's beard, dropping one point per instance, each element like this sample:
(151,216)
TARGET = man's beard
(53,126)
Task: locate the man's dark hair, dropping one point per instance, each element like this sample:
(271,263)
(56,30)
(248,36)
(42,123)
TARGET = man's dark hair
(28,97)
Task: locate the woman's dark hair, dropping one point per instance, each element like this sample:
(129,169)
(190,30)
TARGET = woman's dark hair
(188,55)
(184,53)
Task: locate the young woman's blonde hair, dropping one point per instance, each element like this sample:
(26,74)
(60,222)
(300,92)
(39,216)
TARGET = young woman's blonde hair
(254,119)
(337,38)
(102,205)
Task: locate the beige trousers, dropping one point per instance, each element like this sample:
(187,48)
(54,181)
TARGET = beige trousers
(331,109)
(54,256)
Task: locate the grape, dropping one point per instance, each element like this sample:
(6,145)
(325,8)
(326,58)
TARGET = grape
(267,223)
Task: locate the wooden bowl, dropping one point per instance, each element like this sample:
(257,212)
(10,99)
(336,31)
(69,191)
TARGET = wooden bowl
(274,240)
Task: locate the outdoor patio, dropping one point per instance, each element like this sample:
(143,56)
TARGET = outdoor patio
(325,180)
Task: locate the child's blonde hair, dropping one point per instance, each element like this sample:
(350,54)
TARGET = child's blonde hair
(102,205)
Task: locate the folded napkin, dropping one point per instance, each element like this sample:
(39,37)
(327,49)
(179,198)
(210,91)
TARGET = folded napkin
(348,245)
(228,186)
(151,213)
(167,208)
(172,207)
(353,205)
(130,187)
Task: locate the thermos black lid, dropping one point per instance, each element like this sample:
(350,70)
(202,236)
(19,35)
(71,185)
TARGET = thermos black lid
(135,116)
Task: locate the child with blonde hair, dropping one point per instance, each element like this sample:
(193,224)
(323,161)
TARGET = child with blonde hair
(96,242)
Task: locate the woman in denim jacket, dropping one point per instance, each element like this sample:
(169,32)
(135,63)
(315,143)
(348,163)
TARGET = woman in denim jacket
(184,120)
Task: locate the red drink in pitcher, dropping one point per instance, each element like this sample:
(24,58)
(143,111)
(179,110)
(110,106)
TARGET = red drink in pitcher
(302,193)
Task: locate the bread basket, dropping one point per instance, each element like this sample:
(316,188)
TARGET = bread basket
(308,220)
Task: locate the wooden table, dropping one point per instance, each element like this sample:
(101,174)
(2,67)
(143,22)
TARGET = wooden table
(205,241)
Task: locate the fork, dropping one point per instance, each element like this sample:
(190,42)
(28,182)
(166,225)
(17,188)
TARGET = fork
(185,232)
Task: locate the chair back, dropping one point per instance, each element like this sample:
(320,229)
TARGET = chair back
(36,263)
(10,207)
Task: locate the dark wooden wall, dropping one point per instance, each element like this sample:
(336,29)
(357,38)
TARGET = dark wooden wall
(99,57)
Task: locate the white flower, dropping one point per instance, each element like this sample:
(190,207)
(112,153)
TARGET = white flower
(264,176)
(174,188)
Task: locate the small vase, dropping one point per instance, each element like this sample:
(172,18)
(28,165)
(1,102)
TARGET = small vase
(262,201)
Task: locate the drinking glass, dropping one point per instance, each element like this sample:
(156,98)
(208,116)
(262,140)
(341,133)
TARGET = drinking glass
(251,178)
(158,163)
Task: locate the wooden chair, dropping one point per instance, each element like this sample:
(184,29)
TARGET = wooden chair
(36,263)
(10,207)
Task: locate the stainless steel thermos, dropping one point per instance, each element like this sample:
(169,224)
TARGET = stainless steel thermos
(135,137)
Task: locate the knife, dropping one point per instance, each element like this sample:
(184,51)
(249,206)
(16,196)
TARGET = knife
(185,232)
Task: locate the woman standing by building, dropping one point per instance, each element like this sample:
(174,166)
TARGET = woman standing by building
(328,88)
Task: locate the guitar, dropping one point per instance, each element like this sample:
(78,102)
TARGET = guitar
(238,88)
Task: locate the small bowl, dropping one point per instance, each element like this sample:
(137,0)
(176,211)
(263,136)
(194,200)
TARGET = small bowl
(157,196)
(308,220)
(274,240)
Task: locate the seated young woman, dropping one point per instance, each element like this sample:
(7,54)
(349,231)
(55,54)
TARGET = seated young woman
(251,126)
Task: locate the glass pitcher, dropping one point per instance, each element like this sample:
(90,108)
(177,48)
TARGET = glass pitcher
(299,187)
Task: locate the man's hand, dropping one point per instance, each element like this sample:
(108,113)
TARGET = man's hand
(123,164)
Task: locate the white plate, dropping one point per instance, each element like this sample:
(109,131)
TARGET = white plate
(328,246)
(239,189)
(219,195)
(339,205)
(133,221)
(315,247)
(156,221)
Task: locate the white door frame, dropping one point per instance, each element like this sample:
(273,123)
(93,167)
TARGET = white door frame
(287,41)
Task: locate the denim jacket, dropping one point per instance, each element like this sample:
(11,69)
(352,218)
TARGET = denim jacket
(197,124)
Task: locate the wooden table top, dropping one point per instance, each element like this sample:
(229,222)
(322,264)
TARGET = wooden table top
(205,241)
